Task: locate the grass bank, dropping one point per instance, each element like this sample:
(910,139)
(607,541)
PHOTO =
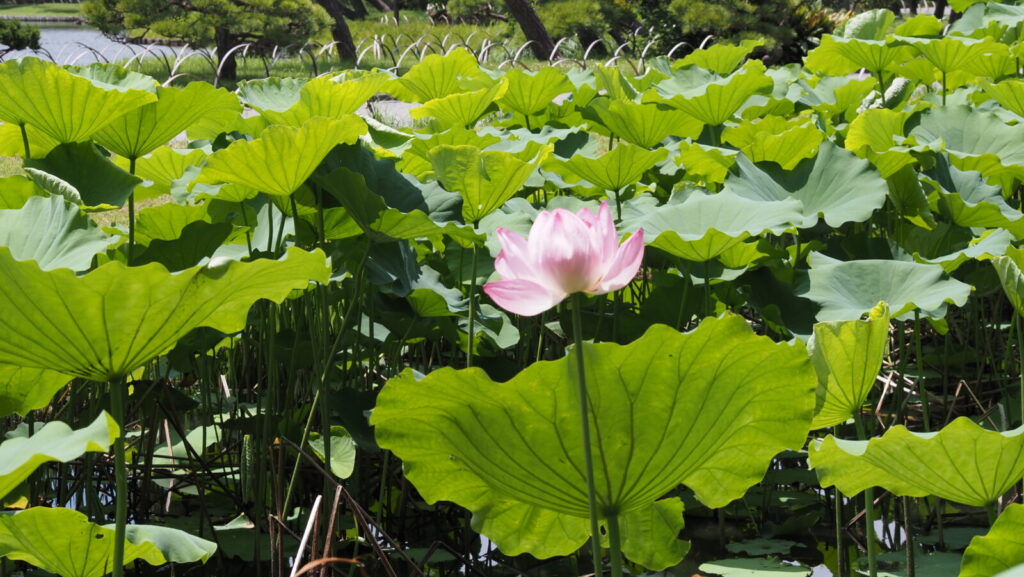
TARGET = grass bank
(45,11)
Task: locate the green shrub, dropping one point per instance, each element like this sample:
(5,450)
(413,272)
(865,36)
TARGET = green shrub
(582,20)
(16,36)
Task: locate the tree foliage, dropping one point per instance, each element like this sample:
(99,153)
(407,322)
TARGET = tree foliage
(16,36)
(222,23)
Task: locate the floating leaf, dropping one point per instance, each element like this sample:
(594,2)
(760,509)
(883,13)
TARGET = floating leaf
(963,463)
(512,452)
(847,356)
(282,158)
(999,550)
(55,441)
(68,108)
(105,324)
(53,233)
(846,290)
(152,125)
(754,568)
(87,549)
(835,184)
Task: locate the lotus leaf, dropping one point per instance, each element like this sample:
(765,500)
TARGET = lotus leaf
(847,356)
(835,184)
(838,56)
(329,98)
(66,107)
(64,542)
(621,166)
(717,101)
(16,190)
(343,451)
(1010,268)
(775,139)
(645,125)
(94,180)
(869,25)
(721,59)
(999,550)
(105,324)
(161,168)
(1009,93)
(283,157)
(144,129)
(438,76)
(963,463)
(485,179)
(271,94)
(754,568)
(53,233)
(707,164)
(846,290)
(55,441)
(460,110)
(23,390)
(530,94)
(664,414)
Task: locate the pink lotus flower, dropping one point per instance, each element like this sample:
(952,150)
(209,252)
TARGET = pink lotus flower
(566,253)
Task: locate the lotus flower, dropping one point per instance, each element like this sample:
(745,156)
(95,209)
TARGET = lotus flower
(566,253)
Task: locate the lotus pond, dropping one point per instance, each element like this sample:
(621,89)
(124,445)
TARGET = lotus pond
(702,317)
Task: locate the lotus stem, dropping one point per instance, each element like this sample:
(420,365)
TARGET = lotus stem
(840,549)
(588,458)
(869,511)
(118,394)
(472,306)
(1020,368)
(908,529)
(131,216)
(24,142)
(922,391)
(615,544)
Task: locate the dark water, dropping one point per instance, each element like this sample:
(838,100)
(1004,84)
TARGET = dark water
(73,44)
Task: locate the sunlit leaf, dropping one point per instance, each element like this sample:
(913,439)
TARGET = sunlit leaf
(716,101)
(55,441)
(283,157)
(107,323)
(532,93)
(96,182)
(963,463)
(325,97)
(775,139)
(23,390)
(645,125)
(53,233)
(847,356)
(438,76)
(721,59)
(459,110)
(66,107)
(1002,548)
(623,165)
(343,451)
(152,125)
(512,452)
(87,549)
(485,179)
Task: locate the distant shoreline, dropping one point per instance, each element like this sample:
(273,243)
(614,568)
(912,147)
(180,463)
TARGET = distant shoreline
(63,19)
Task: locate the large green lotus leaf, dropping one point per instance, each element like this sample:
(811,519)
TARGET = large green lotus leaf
(721,59)
(64,542)
(645,125)
(271,94)
(963,463)
(52,232)
(55,441)
(459,110)
(1009,93)
(1010,268)
(775,139)
(664,411)
(415,160)
(704,226)
(996,63)
(975,140)
(283,157)
(95,181)
(161,168)
(438,76)
(198,240)
(613,170)
(839,96)
(835,184)
(646,532)
(485,179)
(1017,571)
(872,135)
(1000,549)
(847,356)
(68,108)
(148,127)
(971,202)
(329,98)
(23,390)
(530,93)
(846,290)
(107,323)
(717,101)
(838,56)
(167,221)
(948,53)
(114,77)
(869,25)
(707,164)
(920,26)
